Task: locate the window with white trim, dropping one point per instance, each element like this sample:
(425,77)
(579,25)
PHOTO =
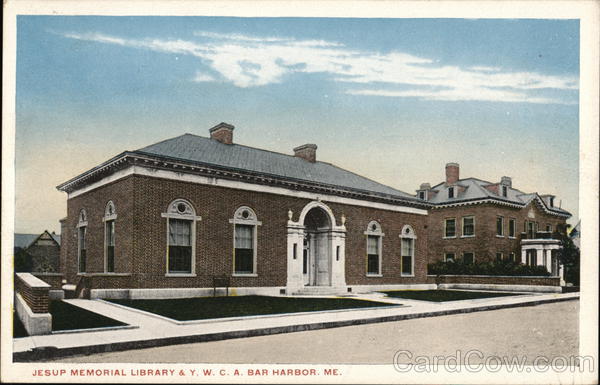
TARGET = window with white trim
(81,242)
(450,192)
(512,257)
(374,240)
(512,226)
(245,226)
(407,251)
(468,258)
(449,257)
(500,226)
(504,191)
(181,237)
(450,228)
(468,226)
(110,216)
(499,256)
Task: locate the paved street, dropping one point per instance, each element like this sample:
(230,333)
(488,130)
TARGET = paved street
(550,330)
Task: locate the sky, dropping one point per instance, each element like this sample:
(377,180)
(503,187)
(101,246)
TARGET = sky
(391,99)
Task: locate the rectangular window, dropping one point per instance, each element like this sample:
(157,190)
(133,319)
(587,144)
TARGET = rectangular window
(82,249)
(295,251)
(450,228)
(110,246)
(468,226)
(549,228)
(244,249)
(449,257)
(504,191)
(451,192)
(512,224)
(468,258)
(407,250)
(530,230)
(500,226)
(180,246)
(511,257)
(372,254)
(337,253)
(305,257)
(422,195)
(498,257)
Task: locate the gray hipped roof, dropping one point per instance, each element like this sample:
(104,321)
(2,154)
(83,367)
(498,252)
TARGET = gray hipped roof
(207,151)
(474,189)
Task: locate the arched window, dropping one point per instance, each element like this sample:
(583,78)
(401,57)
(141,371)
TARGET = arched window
(374,243)
(110,215)
(244,241)
(407,251)
(181,238)
(81,244)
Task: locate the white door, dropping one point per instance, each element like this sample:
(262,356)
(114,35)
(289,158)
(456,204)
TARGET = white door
(322,260)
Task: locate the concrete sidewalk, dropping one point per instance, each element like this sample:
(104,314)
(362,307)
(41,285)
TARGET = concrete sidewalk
(152,330)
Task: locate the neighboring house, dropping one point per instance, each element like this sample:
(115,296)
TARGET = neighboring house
(181,212)
(575,235)
(39,253)
(475,220)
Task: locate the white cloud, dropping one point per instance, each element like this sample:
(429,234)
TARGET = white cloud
(202,77)
(251,61)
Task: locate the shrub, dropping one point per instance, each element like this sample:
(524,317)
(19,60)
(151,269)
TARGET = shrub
(485,268)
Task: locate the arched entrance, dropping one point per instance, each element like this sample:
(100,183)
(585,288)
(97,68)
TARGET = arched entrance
(316,258)
(316,250)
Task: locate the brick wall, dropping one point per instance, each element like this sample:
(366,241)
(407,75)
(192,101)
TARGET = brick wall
(495,280)
(140,241)
(45,258)
(94,202)
(35,296)
(52,279)
(485,244)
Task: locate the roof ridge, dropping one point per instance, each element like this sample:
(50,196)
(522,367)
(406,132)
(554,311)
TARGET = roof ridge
(242,145)
(290,156)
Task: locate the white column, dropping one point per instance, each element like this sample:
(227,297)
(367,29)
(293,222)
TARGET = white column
(523,255)
(338,266)
(295,236)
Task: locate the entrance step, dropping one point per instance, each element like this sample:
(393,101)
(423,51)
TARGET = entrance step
(320,290)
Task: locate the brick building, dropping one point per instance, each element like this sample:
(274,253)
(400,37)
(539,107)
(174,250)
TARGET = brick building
(475,220)
(167,219)
(38,253)
(171,218)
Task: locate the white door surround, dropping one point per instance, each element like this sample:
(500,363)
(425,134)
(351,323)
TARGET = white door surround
(325,249)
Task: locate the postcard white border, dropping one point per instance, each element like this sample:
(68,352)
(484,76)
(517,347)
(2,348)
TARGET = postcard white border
(586,11)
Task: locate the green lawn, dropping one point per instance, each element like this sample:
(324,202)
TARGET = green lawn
(443,295)
(67,317)
(220,307)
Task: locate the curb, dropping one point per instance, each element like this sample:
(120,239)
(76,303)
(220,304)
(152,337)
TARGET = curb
(50,352)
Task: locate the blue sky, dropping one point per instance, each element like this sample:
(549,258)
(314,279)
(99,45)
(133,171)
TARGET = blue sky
(391,99)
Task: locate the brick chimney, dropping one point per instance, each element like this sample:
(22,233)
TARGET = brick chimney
(452,173)
(307,152)
(222,132)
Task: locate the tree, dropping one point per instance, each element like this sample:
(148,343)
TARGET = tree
(568,255)
(23,261)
